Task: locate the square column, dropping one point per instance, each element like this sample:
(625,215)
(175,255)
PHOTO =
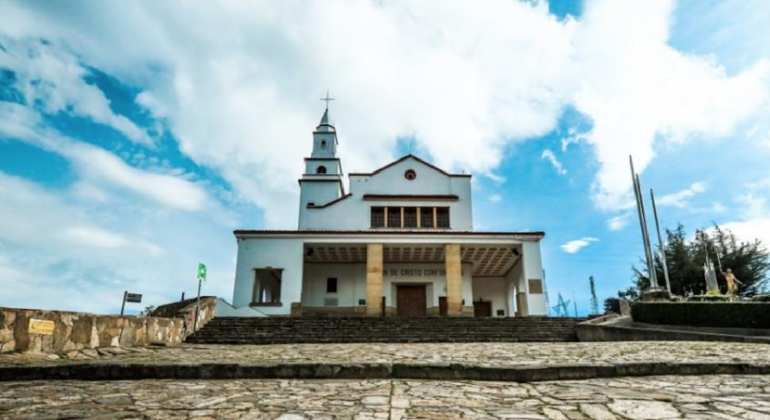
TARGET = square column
(454,280)
(374,279)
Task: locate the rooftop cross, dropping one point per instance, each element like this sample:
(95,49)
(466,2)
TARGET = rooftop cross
(327,99)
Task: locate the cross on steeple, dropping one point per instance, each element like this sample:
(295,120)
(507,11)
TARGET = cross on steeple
(327,99)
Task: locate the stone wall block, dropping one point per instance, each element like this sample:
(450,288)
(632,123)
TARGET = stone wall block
(61,333)
(81,330)
(20,331)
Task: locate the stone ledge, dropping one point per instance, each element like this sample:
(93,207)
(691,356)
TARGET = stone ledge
(135,371)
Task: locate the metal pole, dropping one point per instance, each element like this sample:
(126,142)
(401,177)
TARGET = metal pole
(197,306)
(660,242)
(647,241)
(643,224)
(123,306)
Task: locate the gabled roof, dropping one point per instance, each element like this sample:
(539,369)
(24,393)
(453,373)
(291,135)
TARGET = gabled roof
(403,159)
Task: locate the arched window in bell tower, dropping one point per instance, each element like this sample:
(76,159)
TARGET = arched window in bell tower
(321,170)
(323,144)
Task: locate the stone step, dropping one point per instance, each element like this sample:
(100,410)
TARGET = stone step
(284,330)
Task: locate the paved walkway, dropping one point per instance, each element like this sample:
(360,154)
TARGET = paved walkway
(661,397)
(480,354)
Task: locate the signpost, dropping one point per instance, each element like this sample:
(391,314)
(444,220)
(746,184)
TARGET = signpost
(130,298)
(201,279)
(41,326)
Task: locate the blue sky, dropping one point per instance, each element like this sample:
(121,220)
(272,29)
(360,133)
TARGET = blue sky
(135,138)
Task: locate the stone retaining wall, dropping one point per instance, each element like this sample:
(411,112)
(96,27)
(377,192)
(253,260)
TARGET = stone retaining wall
(75,332)
(186,310)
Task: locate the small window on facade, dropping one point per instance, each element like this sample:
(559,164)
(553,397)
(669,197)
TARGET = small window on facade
(321,170)
(442,217)
(378,217)
(331,285)
(323,144)
(410,174)
(410,217)
(394,217)
(426,217)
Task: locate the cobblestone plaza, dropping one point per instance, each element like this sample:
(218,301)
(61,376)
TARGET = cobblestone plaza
(480,354)
(659,397)
(650,397)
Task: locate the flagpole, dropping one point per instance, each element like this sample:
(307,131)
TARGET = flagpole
(197,306)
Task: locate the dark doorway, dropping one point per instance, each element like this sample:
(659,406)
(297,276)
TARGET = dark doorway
(442,306)
(482,309)
(411,301)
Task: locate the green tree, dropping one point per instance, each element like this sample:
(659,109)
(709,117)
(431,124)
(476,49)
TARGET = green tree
(749,261)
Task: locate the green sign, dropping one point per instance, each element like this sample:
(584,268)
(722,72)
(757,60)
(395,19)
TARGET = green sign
(202,272)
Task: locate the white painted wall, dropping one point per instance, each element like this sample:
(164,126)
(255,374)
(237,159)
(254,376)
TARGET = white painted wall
(353,213)
(318,192)
(332,166)
(351,284)
(283,253)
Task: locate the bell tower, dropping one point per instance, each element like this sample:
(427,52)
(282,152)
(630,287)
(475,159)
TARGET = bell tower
(322,181)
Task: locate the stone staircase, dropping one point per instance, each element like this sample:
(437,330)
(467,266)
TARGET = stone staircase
(284,330)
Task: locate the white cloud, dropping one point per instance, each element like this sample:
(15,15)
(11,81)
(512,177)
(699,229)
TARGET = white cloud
(549,156)
(753,213)
(98,166)
(680,199)
(51,78)
(495,198)
(749,230)
(462,79)
(619,222)
(572,247)
(95,237)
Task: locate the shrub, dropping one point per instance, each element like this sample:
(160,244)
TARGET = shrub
(703,314)
(612,305)
(709,298)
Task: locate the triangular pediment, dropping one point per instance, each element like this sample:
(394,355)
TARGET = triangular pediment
(412,159)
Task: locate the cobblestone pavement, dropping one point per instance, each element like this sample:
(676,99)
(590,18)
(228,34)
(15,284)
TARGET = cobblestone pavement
(661,397)
(482,354)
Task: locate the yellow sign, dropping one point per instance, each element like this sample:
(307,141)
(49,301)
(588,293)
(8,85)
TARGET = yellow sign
(41,326)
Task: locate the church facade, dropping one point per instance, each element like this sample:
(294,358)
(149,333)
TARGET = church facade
(398,242)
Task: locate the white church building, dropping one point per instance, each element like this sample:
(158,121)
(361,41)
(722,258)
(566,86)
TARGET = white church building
(398,242)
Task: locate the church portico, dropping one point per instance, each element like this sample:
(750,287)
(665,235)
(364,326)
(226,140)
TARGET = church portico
(376,274)
(398,241)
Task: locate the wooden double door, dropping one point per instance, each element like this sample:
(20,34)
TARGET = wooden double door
(482,309)
(411,300)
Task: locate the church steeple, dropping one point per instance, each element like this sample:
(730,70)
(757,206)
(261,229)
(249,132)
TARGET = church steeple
(325,138)
(322,181)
